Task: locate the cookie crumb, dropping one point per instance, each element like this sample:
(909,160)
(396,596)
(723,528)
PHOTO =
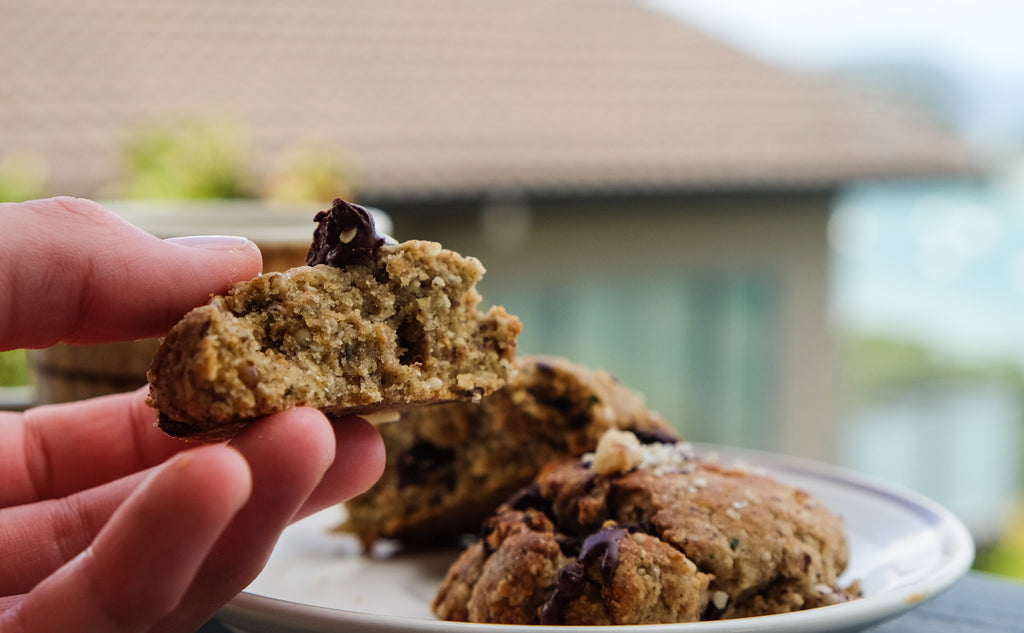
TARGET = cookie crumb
(617,452)
(382,417)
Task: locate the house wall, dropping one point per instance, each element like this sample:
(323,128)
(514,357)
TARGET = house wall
(774,242)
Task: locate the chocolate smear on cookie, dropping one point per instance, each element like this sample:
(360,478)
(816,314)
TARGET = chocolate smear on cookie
(345,235)
(601,547)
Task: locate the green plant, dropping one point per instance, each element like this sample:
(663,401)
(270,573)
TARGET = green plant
(189,158)
(22,177)
(874,366)
(309,174)
(14,368)
(1006,557)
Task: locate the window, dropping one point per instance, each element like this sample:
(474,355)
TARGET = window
(701,347)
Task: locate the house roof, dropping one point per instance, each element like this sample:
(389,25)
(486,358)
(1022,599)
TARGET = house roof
(446,98)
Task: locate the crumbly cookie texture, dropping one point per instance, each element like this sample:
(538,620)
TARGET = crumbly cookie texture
(450,465)
(386,327)
(647,533)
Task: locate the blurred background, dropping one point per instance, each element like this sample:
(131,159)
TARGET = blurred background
(794,226)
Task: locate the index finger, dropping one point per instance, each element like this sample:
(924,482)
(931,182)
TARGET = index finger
(72,271)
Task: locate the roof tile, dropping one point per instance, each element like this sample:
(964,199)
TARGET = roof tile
(446,97)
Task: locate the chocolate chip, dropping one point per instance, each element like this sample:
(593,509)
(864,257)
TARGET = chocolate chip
(345,235)
(249,375)
(600,547)
(425,462)
(530,498)
(175,428)
(654,436)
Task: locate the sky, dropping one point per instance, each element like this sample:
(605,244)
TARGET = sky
(976,44)
(966,35)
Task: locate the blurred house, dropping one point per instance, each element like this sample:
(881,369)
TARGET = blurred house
(647,199)
(970,461)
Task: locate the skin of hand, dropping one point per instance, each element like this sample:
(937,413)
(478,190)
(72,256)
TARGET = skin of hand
(107,524)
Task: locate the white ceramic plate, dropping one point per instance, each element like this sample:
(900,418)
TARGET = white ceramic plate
(903,548)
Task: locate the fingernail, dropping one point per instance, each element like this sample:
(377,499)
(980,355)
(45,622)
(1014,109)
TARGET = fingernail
(210,242)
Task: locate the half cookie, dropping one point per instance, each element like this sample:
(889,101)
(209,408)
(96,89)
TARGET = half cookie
(366,327)
(450,465)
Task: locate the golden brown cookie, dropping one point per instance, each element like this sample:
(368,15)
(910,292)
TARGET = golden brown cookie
(450,465)
(647,533)
(367,326)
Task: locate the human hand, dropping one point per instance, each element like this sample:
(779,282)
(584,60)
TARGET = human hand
(106,524)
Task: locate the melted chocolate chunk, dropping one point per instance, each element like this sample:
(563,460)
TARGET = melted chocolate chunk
(345,235)
(530,498)
(602,546)
(655,437)
(426,462)
(712,612)
(570,545)
(577,414)
(175,428)
(488,527)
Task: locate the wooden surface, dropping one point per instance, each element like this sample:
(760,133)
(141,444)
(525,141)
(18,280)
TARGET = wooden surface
(976,603)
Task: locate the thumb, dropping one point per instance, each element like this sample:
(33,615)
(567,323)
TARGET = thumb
(72,271)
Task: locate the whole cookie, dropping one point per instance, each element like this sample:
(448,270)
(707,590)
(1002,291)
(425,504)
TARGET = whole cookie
(647,533)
